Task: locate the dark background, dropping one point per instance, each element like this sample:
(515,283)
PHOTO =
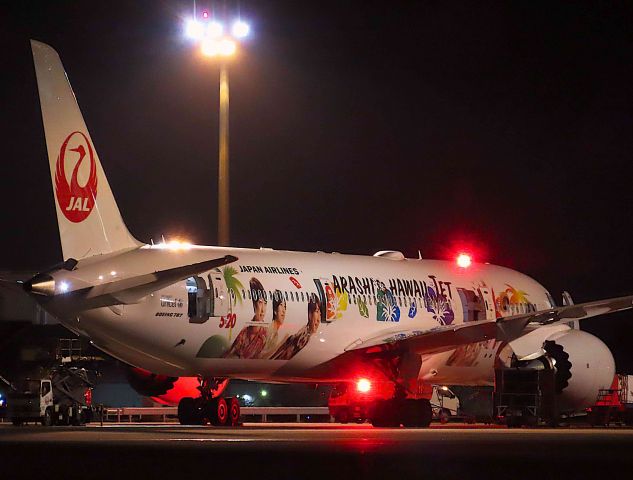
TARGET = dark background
(505,128)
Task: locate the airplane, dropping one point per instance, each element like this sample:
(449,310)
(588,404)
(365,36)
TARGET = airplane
(217,313)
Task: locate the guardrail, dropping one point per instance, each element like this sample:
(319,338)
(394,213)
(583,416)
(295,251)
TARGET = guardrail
(300,413)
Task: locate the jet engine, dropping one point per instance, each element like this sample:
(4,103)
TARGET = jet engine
(168,390)
(584,365)
(149,384)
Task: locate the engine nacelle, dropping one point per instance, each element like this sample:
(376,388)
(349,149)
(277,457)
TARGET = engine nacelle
(584,365)
(169,390)
(149,384)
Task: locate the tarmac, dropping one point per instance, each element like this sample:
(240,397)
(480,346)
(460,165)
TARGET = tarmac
(306,451)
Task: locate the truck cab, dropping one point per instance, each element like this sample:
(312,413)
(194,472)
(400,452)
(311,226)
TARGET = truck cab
(61,397)
(32,401)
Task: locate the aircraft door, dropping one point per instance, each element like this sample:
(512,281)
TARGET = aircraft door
(220,301)
(199,300)
(489,301)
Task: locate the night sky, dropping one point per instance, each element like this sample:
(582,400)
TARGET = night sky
(505,127)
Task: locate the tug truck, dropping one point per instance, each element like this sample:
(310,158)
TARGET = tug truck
(350,402)
(62,397)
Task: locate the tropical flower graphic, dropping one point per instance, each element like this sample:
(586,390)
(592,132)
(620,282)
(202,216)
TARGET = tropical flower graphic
(511,296)
(413,311)
(440,307)
(362,308)
(233,286)
(387,309)
(336,303)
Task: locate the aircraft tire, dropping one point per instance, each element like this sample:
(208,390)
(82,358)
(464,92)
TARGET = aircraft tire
(343,416)
(514,421)
(78,419)
(218,411)
(385,414)
(445,415)
(47,419)
(234,411)
(186,411)
(426,412)
(412,413)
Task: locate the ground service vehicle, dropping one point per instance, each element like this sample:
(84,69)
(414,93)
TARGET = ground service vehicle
(216,313)
(355,403)
(60,398)
(614,404)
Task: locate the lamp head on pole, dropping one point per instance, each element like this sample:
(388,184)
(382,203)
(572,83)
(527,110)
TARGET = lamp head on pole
(214,37)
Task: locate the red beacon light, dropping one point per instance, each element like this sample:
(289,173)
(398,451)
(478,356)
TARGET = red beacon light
(363,385)
(464,260)
(205,14)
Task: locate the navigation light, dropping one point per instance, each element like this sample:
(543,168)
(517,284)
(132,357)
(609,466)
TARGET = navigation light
(464,260)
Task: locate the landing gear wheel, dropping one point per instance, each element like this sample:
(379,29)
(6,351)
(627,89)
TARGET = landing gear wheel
(412,414)
(186,411)
(47,419)
(343,416)
(65,420)
(445,415)
(427,412)
(234,411)
(218,412)
(78,419)
(514,421)
(385,414)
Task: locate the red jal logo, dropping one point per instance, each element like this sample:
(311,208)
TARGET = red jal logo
(75,201)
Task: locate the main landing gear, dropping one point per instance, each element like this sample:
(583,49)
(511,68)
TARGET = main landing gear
(407,412)
(219,411)
(211,407)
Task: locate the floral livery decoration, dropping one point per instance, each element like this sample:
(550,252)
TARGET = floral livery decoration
(363,310)
(512,301)
(439,306)
(234,286)
(336,303)
(413,310)
(387,309)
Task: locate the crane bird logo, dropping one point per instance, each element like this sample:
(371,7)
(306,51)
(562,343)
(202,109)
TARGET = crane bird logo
(75,201)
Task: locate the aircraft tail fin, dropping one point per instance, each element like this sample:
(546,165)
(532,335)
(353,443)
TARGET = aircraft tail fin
(87,214)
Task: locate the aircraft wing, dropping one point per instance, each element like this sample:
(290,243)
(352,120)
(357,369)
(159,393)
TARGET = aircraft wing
(134,289)
(507,329)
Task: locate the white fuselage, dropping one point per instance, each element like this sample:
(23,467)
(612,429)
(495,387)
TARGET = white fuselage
(358,297)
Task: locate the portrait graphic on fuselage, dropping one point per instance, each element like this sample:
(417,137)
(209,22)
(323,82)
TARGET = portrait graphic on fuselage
(250,342)
(295,343)
(272,333)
